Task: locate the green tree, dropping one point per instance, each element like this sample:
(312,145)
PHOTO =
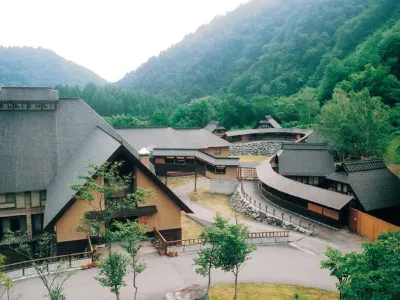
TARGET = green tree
(53,280)
(6,283)
(112,271)
(160,118)
(131,234)
(372,274)
(207,257)
(355,124)
(233,249)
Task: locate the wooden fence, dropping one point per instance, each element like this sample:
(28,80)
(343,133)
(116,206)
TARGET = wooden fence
(247,173)
(367,225)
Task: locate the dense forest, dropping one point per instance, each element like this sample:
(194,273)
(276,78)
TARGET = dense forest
(41,67)
(310,63)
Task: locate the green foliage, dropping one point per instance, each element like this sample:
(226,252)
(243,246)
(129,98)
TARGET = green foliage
(131,234)
(53,280)
(6,283)
(112,271)
(392,154)
(355,124)
(372,274)
(98,188)
(229,249)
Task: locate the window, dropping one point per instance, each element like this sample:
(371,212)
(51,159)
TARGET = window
(49,106)
(190,160)
(34,106)
(21,106)
(42,196)
(220,170)
(217,151)
(6,106)
(10,198)
(180,160)
(37,223)
(170,160)
(339,187)
(345,188)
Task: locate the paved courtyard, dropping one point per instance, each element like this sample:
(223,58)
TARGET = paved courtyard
(297,262)
(275,264)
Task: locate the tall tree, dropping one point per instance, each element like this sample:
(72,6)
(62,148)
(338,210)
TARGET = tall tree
(372,274)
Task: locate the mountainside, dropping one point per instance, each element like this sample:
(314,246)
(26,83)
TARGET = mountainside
(41,67)
(265,47)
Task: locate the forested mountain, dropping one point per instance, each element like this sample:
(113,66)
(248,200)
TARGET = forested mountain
(265,47)
(41,67)
(310,63)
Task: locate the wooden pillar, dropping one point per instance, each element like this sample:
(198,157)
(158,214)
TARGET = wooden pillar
(28,215)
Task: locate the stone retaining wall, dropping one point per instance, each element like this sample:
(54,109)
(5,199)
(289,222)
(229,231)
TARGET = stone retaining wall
(240,204)
(266,148)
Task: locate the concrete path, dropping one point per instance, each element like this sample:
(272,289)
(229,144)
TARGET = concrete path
(274,264)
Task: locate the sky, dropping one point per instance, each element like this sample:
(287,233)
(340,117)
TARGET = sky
(110,38)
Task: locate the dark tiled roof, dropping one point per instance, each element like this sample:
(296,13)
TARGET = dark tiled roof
(157,137)
(202,137)
(272,121)
(301,159)
(363,166)
(373,184)
(267,175)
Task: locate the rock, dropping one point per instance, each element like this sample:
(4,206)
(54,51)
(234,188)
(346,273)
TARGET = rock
(193,292)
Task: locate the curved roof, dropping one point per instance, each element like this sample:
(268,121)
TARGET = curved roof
(268,130)
(267,175)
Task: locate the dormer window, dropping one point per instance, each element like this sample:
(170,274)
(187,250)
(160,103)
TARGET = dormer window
(49,106)
(6,106)
(34,106)
(20,106)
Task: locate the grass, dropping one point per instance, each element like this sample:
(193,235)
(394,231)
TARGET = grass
(216,202)
(392,155)
(252,158)
(250,291)
(190,228)
(174,182)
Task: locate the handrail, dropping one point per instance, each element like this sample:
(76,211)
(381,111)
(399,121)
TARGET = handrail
(158,237)
(46,260)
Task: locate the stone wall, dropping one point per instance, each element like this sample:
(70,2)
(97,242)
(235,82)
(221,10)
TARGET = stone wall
(223,186)
(266,148)
(240,204)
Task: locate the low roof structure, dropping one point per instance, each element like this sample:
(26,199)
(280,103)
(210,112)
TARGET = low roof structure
(268,130)
(203,137)
(46,149)
(267,175)
(157,137)
(301,159)
(373,184)
(214,160)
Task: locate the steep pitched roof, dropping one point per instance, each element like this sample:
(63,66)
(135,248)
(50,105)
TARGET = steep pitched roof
(270,120)
(373,184)
(214,125)
(157,137)
(202,137)
(39,148)
(301,159)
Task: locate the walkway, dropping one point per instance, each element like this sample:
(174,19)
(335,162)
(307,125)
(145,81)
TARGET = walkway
(275,264)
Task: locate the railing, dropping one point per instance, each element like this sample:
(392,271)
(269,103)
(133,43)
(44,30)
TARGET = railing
(301,222)
(187,242)
(159,241)
(268,234)
(46,261)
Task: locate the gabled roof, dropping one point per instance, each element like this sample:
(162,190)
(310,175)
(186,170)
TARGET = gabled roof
(41,149)
(98,148)
(214,125)
(267,175)
(373,184)
(301,159)
(157,137)
(202,137)
(270,120)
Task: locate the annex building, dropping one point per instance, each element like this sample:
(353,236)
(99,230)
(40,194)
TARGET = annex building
(45,142)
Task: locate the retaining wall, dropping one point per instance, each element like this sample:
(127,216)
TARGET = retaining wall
(223,186)
(266,148)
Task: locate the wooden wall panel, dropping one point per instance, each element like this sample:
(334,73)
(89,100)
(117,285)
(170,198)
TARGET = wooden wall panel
(315,208)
